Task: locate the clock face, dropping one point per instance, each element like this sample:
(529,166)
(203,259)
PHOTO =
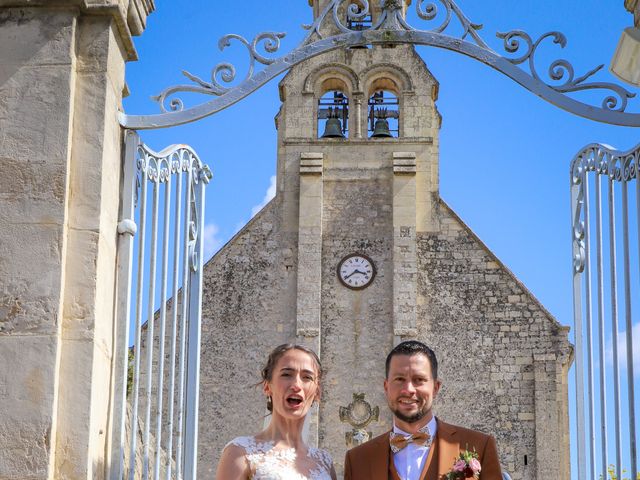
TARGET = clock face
(356,271)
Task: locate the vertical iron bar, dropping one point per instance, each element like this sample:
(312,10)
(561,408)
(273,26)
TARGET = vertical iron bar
(628,320)
(577,319)
(601,330)
(163,317)
(126,230)
(634,452)
(174,312)
(630,370)
(614,315)
(589,352)
(151,320)
(183,323)
(139,300)
(195,317)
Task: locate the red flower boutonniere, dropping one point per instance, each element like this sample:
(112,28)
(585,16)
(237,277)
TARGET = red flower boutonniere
(466,465)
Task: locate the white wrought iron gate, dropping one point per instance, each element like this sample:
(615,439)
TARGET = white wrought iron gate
(605,205)
(155,416)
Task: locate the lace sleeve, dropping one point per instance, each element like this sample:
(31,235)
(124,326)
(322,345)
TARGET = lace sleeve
(323,457)
(249,445)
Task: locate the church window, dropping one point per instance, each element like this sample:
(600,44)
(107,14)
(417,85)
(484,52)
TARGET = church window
(383,115)
(333,115)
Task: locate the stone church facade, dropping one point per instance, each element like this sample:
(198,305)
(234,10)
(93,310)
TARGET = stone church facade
(503,357)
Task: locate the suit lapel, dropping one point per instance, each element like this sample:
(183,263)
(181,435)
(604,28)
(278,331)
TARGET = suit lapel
(448,448)
(379,465)
(430,469)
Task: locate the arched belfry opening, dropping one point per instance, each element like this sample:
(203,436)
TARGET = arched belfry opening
(333,114)
(383,114)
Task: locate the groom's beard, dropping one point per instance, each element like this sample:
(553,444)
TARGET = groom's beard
(416,417)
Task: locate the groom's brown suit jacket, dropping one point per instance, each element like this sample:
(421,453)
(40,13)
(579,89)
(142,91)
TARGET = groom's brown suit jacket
(373,460)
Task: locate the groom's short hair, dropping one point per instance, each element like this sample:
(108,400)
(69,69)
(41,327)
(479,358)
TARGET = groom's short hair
(413,347)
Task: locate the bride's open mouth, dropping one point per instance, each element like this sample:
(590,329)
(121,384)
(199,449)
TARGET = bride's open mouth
(294,401)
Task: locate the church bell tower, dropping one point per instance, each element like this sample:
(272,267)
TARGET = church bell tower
(358,176)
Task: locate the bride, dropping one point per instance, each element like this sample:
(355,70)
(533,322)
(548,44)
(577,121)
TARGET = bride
(291,383)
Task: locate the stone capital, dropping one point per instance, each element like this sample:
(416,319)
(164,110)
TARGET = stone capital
(130,16)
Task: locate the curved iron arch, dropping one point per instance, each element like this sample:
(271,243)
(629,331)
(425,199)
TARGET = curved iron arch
(392,28)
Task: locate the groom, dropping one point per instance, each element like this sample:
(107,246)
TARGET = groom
(420,446)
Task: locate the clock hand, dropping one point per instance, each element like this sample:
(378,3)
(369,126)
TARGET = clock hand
(354,272)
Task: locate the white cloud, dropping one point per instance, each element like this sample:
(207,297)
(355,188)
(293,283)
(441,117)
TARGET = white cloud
(622,350)
(212,242)
(271,192)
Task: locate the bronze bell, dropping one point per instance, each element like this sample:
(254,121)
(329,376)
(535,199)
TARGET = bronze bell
(381,128)
(333,128)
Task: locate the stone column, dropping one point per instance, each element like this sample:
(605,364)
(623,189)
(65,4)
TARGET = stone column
(310,264)
(404,245)
(551,417)
(61,83)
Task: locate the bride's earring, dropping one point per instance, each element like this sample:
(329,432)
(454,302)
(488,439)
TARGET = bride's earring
(270,403)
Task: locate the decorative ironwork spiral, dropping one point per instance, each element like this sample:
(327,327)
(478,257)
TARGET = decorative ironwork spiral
(430,12)
(340,15)
(605,161)
(562,70)
(225,71)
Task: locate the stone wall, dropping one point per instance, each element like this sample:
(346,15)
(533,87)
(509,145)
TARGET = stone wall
(249,293)
(493,337)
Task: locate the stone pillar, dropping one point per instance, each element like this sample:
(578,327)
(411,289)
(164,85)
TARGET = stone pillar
(61,84)
(310,263)
(551,416)
(404,245)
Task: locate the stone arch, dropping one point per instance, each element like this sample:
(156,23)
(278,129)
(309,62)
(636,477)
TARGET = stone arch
(332,76)
(313,82)
(386,77)
(390,72)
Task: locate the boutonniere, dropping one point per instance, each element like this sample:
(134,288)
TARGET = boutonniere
(466,465)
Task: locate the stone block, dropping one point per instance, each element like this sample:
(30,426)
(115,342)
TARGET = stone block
(30,298)
(34,37)
(26,134)
(27,389)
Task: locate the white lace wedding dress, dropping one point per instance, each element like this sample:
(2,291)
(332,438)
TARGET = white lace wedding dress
(266,463)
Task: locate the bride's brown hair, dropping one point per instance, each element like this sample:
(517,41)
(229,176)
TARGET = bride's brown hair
(276,354)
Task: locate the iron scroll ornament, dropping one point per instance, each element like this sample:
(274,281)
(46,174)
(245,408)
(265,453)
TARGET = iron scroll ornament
(392,28)
(161,167)
(617,165)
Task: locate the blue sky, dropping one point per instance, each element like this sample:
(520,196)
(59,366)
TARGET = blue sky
(505,153)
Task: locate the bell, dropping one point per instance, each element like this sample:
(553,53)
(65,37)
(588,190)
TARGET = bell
(381,128)
(333,128)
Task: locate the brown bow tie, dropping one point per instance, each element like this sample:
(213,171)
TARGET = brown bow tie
(398,441)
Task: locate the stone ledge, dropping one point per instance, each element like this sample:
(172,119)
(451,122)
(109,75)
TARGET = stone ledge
(311,163)
(404,162)
(332,142)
